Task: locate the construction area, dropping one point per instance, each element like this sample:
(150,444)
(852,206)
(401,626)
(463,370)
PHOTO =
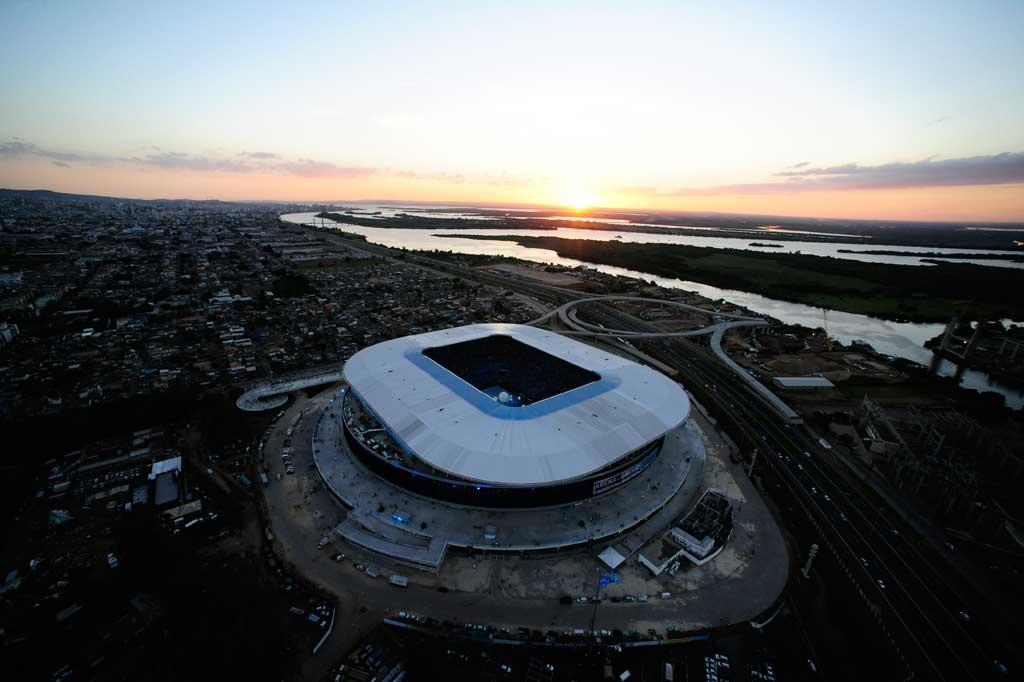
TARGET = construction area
(939,457)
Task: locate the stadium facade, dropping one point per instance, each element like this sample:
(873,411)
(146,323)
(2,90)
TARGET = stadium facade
(505,416)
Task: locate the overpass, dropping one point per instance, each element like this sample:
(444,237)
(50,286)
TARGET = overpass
(272,396)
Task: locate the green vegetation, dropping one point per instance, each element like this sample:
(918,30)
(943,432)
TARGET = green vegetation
(894,292)
(1008,256)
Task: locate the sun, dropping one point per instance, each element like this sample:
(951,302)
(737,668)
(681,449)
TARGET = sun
(578,198)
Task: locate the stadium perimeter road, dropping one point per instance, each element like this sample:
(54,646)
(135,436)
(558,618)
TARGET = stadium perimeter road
(300,512)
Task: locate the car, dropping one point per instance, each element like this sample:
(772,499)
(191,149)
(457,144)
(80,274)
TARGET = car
(881,583)
(864,561)
(360,567)
(339,557)
(581,600)
(965,617)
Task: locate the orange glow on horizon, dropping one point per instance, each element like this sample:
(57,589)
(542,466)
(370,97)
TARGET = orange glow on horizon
(578,198)
(995,203)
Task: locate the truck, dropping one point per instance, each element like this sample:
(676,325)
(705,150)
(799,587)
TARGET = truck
(399,580)
(263,479)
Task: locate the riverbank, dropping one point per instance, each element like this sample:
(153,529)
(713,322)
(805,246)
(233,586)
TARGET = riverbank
(933,254)
(891,292)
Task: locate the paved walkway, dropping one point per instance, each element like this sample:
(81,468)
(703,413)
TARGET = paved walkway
(272,396)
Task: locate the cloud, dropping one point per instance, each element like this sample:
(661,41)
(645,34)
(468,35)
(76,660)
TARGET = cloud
(456,178)
(182,161)
(308,168)
(246,162)
(260,156)
(496,180)
(61,164)
(799,165)
(997,169)
(639,190)
(18,148)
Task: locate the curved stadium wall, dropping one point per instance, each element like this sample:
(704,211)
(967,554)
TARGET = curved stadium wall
(476,494)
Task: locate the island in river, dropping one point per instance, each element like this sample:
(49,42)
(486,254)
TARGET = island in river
(894,292)
(909,234)
(937,254)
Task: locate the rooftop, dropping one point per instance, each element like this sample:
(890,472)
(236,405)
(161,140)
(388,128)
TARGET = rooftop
(803,382)
(570,409)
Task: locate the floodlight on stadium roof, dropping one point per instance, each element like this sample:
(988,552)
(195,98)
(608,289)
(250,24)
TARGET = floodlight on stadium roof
(513,405)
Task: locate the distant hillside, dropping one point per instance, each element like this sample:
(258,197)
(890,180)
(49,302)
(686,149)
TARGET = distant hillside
(50,195)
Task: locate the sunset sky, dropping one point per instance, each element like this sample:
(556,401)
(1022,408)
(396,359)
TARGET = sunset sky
(875,110)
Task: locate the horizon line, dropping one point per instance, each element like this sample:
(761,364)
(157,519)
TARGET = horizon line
(495,205)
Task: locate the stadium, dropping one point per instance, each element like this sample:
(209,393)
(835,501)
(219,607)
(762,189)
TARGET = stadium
(505,416)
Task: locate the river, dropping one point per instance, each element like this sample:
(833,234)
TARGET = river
(757,236)
(899,339)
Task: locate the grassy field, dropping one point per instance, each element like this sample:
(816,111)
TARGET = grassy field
(895,292)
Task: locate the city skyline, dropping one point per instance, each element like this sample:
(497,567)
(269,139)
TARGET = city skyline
(908,112)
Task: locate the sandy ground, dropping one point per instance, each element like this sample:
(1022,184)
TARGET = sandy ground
(737,585)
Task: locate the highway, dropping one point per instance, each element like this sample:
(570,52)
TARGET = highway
(934,628)
(932,623)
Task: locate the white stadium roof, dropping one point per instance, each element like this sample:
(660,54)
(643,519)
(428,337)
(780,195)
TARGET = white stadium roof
(461,430)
